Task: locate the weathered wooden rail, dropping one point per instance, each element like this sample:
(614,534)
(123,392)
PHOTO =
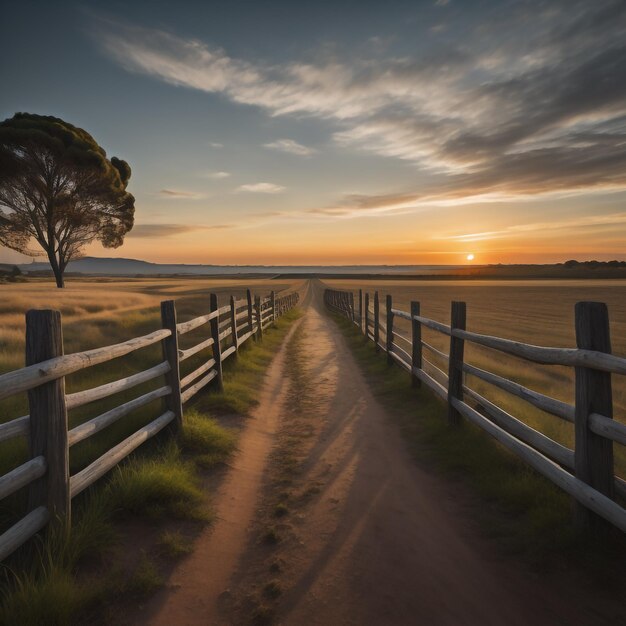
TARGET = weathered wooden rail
(585,472)
(46,473)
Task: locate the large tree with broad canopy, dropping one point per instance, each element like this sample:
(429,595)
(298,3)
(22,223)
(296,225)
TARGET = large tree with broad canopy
(58,188)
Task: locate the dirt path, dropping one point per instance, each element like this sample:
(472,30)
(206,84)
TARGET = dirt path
(380,542)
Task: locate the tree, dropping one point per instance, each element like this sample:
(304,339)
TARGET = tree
(58,188)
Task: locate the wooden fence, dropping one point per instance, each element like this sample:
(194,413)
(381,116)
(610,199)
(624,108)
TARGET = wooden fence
(46,473)
(586,472)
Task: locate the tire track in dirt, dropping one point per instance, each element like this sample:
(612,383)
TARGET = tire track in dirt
(192,594)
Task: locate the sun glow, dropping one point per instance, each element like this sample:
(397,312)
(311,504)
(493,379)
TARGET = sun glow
(470,257)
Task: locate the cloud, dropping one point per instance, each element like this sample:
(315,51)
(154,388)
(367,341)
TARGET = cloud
(261,188)
(216,145)
(291,146)
(157,231)
(218,175)
(531,99)
(267,214)
(184,195)
(543,228)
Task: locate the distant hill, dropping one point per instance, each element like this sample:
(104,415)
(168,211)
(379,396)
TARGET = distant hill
(134,267)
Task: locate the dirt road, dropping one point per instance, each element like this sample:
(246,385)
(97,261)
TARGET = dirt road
(379,541)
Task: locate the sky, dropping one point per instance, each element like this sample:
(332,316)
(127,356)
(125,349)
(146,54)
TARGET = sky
(351,132)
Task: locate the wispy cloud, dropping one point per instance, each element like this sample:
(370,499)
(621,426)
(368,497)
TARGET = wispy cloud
(291,146)
(542,228)
(177,193)
(215,144)
(261,188)
(268,214)
(157,231)
(533,110)
(218,175)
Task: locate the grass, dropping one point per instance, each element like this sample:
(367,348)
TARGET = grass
(45,590)
(58,579)
(146,579)
(173,545)
(159,486)
(206,439)
(528,515)
(53,597)
(281,510)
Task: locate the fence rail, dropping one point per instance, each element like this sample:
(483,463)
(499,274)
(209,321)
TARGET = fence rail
(585,472)
(46,472)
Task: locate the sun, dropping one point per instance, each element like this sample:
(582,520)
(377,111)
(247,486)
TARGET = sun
(470,257)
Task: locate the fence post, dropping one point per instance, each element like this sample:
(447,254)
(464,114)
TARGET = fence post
(352,316)
(257,306)
(367,315)
(455,363)
(376,321)
(389,342)
(273,301)
(217,348)
(233,324)
(416,344)
(48,417)
(593,454)
(250,314)
(361,309)
(173,401)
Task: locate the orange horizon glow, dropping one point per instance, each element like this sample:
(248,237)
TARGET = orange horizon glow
(257,254)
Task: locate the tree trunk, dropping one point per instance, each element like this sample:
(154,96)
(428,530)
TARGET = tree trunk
(56,269)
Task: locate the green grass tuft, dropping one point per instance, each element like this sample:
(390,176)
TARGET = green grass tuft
(146,578)
(281,510)
(51,596)
(173,545)
(154,487)
(203,437)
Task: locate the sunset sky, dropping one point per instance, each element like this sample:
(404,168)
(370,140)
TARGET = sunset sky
(342,132)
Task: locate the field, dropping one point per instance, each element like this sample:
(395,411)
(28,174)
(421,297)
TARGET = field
(535,312)
(99,313)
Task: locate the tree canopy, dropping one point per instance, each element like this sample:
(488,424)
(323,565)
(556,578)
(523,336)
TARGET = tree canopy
(58,188)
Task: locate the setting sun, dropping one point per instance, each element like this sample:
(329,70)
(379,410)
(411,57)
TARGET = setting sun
(470,257)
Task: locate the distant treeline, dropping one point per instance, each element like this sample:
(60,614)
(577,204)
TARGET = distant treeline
(10,273)
(594,264)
